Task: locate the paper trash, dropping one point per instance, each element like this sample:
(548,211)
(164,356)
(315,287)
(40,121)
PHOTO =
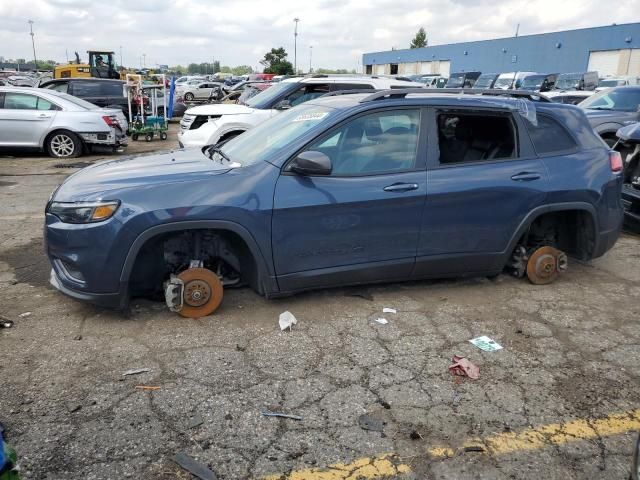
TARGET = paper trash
(485,343)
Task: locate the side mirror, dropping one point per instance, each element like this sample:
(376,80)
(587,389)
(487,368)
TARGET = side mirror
(282,105)
(311,163)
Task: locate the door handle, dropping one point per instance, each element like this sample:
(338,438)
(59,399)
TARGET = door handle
(44,115)
(526,176)
(401,187)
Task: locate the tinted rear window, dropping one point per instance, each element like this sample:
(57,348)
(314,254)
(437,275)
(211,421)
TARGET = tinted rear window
(549,136)
(97,89)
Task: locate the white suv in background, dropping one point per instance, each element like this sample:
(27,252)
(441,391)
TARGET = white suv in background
(210,124)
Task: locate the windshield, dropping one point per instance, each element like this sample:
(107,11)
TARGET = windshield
(568,81)
(261,142)
(622,100)
(532,82)
(265,99)
(456,80)
(611,83)
(484,81)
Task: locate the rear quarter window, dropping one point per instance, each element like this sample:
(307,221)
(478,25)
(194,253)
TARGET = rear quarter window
(549,136)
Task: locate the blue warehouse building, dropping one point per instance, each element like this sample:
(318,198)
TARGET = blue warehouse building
(611,51)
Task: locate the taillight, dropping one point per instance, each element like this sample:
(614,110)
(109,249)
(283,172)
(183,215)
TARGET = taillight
(111,121)
(616,161)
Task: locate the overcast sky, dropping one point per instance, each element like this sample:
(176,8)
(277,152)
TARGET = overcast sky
(240,31)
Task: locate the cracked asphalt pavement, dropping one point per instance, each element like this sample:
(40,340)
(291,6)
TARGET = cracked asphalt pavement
(571,351)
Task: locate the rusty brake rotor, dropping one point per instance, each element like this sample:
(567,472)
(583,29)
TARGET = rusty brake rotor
(202,293)
(545,264)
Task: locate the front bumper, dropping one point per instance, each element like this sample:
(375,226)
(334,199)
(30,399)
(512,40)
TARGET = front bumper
(196,138)
(109,300)
(631,204)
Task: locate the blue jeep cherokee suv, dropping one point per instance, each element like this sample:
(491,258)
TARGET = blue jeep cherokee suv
(347,189)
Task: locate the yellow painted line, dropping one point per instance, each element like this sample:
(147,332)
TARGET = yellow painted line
(547,435)
(389,465)
(383,466)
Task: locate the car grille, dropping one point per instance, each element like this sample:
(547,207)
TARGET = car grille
(193,122)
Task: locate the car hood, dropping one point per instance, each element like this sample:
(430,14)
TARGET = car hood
(144,171)
(220,109)
(597,117)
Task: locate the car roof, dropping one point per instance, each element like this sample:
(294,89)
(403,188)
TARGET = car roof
(382,80)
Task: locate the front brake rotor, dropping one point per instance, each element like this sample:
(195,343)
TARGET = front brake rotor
(201,294)
(545,264)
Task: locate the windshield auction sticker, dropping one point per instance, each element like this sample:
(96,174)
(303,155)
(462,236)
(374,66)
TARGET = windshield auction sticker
(311,117)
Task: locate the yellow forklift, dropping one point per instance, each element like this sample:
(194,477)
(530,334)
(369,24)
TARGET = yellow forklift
(101,65)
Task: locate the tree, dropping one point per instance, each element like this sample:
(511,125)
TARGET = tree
(216,66)
(193,68)
(276,62)
(420,40)
(330,70)
(242,70)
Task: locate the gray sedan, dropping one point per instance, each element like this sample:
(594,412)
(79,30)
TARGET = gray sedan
(56,122)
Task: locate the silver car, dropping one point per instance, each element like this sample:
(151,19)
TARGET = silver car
(58,123)
(200,91)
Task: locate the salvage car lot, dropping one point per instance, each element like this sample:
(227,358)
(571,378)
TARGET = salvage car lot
(570,355)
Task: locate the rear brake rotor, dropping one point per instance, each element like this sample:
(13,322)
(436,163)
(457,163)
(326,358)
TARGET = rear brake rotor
(202,292)
(545,264)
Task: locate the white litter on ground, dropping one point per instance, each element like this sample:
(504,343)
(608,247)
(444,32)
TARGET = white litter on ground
(485,343)
(389,310)
(287,320)
(382,321)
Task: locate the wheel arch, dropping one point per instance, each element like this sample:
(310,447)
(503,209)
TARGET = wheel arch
(538,213)
(264,282)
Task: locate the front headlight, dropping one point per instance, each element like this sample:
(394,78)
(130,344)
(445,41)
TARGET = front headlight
(83,212)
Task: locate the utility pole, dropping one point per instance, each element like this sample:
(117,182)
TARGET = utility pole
(310,57)
(33,44)
(144,60)
(517,30)
(121,56)
(295,46)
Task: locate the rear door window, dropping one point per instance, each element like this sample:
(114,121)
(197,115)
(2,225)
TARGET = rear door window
(111,89)
(474,137)
(549,136)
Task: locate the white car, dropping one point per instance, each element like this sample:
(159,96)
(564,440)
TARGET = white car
(210,124)
(56,122)
(610,82)
(200,91)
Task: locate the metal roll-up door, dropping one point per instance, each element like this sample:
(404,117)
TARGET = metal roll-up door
(604,62)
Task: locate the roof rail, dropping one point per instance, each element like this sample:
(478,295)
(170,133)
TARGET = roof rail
(403,92)
(338,93)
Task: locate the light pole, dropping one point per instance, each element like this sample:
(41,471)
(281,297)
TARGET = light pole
(33,44)
(120,56)
(310,57)
(144,60)
(295,46)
